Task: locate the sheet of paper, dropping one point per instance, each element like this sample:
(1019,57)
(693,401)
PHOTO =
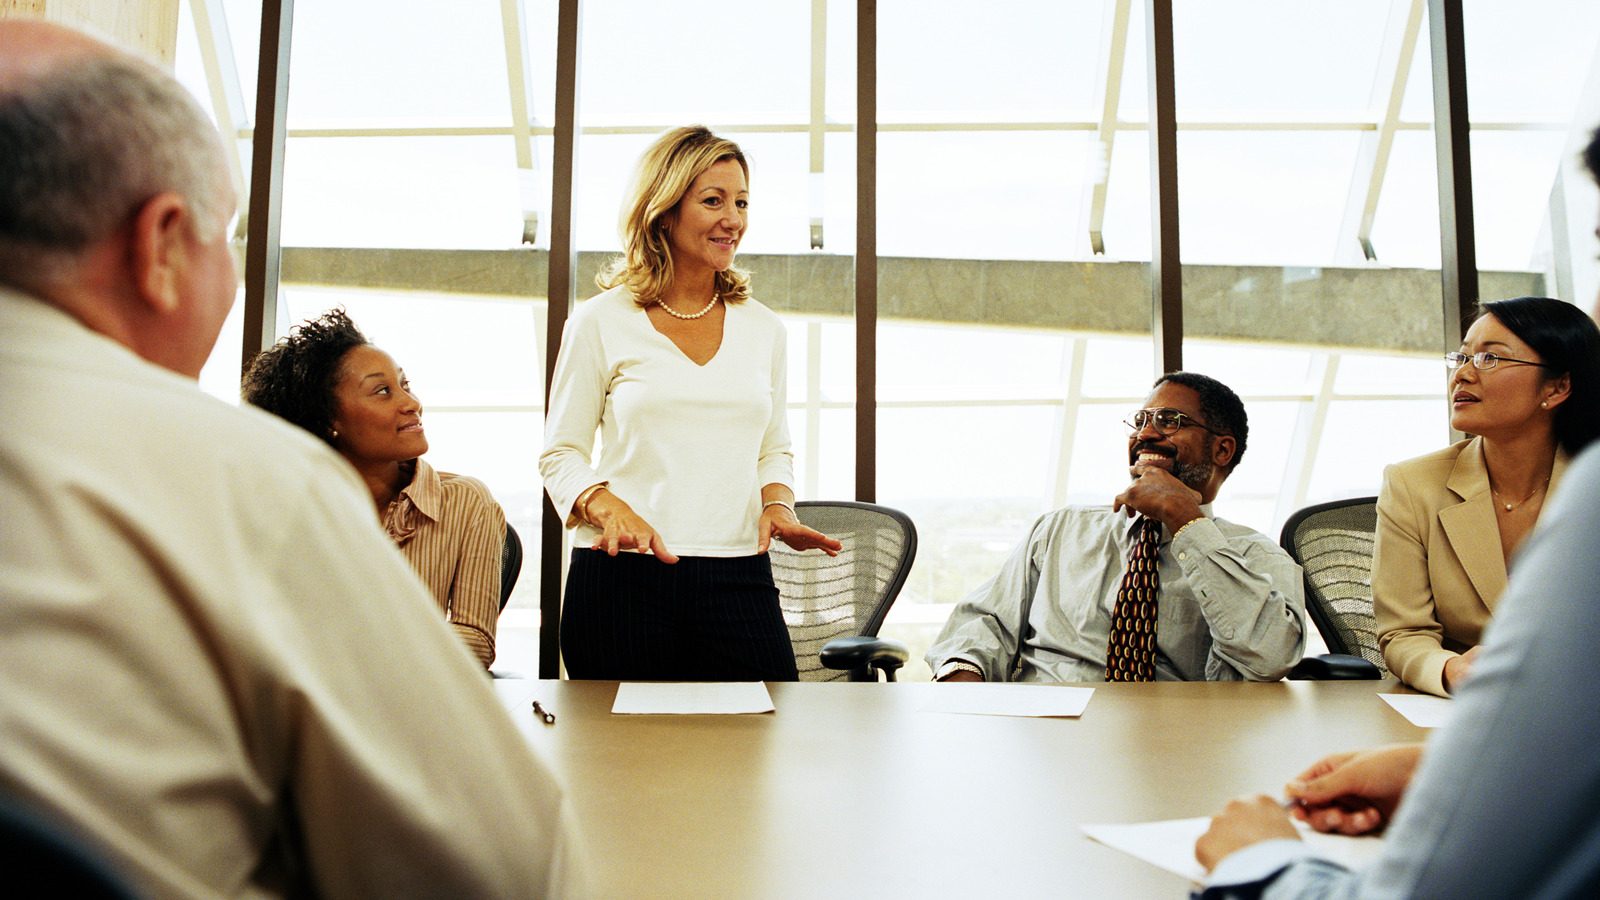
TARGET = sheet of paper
(691,699)
(1424,710)
(1170,844)
(1007,699)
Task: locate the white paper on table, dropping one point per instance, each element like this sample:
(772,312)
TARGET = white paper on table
(692,698)
(1170,844)
(1007,699)
(1424,710)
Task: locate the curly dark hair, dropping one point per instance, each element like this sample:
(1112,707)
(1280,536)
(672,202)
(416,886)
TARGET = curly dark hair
(294,378)
(1223,409)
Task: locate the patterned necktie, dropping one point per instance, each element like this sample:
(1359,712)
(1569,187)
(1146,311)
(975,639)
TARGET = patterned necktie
(1131,654)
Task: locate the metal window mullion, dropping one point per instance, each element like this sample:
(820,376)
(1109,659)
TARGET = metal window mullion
(514,17)
(1067,419)
(1452,136)
(1166,271)
(1372,161)
(1113,50)
(222,82)
(818,126)
(866,249)
(560,293)
(263,248)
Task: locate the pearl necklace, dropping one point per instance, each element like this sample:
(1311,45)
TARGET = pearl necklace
(1510,506)
(678,315)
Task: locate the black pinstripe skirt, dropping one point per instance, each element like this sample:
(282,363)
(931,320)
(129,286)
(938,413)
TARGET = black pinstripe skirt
(631,617)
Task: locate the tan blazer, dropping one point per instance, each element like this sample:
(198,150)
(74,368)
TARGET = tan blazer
(1438,570)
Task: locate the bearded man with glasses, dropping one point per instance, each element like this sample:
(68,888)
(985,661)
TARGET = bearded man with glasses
(1152,582)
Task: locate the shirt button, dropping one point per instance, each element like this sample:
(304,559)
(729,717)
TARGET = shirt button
(1183,555)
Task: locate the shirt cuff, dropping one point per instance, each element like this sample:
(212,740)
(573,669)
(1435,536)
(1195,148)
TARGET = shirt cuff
(1257,862)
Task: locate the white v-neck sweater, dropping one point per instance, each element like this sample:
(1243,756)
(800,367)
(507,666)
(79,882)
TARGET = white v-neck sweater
(688,447)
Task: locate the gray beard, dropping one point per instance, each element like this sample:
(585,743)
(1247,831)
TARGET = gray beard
(1195,475)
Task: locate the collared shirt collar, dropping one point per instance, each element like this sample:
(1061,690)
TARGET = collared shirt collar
(1166,536)
(422,498)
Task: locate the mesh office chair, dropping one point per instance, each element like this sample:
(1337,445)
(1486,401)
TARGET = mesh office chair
(510,569)
(834,605)
(510,565)
(1333,543)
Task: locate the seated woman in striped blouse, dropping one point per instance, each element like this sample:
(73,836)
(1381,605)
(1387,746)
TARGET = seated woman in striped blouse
(328,379)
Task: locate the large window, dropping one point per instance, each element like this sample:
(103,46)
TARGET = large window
(1011,148)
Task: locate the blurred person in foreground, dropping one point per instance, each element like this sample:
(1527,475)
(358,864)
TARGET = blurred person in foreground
(326,377)
(684,375)
(1504,801)
(223,683)
(1526,387)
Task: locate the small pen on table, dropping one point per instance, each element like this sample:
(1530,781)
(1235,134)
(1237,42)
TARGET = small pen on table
(545,714)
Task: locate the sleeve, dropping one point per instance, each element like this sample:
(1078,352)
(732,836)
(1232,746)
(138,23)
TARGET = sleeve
(776,465)
(986,627)
(1503,803)
(1252,595)
(474,607)
(1409,633)
(1276,870)
(577,401)
(407,778)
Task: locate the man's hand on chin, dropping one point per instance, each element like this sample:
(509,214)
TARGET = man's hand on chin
(1156,494)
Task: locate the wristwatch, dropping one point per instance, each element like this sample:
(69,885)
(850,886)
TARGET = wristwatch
(956,665)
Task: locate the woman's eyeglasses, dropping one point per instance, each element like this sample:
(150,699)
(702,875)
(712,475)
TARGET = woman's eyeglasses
(1483,359)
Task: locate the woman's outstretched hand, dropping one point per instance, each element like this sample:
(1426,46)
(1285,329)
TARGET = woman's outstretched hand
(778,521)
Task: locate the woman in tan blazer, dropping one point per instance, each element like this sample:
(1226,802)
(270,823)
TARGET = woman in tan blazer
(1527,386)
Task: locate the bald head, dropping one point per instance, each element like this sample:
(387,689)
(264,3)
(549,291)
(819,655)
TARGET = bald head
(31,48)
(88,133)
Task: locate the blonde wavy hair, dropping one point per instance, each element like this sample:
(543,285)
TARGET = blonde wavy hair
(665,172)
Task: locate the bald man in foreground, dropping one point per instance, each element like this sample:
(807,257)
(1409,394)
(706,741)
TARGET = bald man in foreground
(222,682)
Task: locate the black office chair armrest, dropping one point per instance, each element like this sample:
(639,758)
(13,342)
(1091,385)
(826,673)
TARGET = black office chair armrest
(1334,667)
(860,651)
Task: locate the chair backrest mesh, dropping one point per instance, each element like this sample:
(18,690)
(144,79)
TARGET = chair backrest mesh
(510,564)
(826,597)
(1333,542)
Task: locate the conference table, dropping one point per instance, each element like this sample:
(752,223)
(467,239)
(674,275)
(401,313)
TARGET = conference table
(853,790)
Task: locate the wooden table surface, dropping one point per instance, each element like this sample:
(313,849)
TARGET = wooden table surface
(850,790)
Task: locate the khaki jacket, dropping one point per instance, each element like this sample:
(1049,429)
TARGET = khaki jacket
(1438,570)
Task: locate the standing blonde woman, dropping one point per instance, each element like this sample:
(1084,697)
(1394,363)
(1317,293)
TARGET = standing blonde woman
(1527,387)
(684,376)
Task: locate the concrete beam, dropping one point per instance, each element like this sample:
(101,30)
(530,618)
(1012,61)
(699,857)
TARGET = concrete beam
(1389,310)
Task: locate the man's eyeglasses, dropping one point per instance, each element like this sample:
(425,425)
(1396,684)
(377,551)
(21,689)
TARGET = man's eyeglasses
(1483,359)
(1164,420)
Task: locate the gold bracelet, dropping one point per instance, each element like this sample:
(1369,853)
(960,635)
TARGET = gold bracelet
(783,503)
(1186,527)
(582,504)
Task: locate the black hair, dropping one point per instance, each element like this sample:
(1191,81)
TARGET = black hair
(294,378)
(1223,409)
(1568,342)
